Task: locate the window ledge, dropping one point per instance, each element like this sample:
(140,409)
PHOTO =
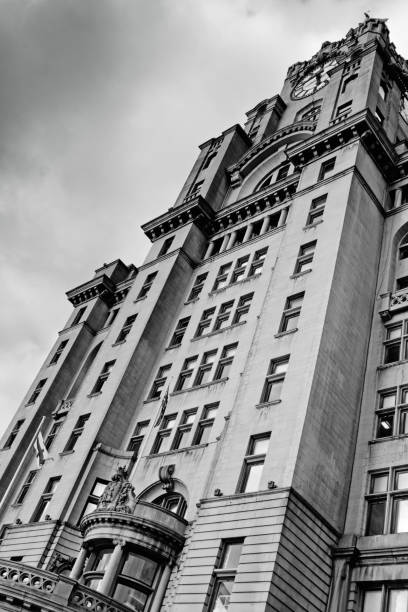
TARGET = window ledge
(29,404)
(63,453)
(297,274)
(311,225)
(177,450)
(387,439)
(149,400)
(118,343)
(240,282)
(384,366)
(175,346)
(266,404)
(192,301)
(94,394)
(144,297)
(218,331)
(198,387)
(286,333)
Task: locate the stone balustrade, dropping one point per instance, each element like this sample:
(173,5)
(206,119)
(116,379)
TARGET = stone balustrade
(87,599)
(19,574)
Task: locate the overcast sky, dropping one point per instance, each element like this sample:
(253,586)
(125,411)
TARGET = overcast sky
(103,104)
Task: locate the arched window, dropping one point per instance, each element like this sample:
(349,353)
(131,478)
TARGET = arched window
(277,174)
(403,248)
(174,502)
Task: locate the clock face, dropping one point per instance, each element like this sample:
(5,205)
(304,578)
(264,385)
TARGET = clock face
(313,80)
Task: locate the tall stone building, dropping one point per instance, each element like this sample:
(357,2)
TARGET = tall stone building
(225,427)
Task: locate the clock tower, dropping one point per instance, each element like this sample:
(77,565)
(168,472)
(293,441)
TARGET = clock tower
(225,426)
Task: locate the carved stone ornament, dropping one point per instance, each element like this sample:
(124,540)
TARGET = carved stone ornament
(165,476)
(60,562)
(119,494)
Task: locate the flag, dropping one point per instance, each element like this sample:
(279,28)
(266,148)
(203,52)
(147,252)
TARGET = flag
(40,450)
(163,406)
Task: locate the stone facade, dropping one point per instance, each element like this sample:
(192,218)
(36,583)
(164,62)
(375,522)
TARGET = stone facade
(225,426)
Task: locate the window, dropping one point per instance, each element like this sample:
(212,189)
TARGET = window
(103,377)
(55,428)
(257,262)
(222,276)
(136,440)
(94,496)
(205,424)
(378,115)
(58,352)
(225,362)
(240,269)
(173,502)
(127,326)
(166,246)
(162,441)
(305,257)
(76,432)
(344,109)
(387,502)
(392,413)
(395,345)
(197,287)
(147,285)
(134,585)
(205,322)
(348,82)
(282,172)
(326,168)
(224,575)
(291,314)
(403,248)
(242,309)
(13,434)
(159,381)
(40,513)
(37,391)
(182,435)
(310,115)
(209,158)
(274,380)
(223,315)
(186,373)
(204,371)
(253,463)
(402,283)
(316,209)
(196,188)
(78,316)
(383,90)
(111,317)
(387,598)
(26,486)
(179,332)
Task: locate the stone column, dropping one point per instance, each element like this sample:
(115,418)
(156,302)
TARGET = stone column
(161,589)
(209,250)
(78,566)
(231,240)
(265,225)
(248,232)
(282,218)
(398,197)
(224,243)
(111,570)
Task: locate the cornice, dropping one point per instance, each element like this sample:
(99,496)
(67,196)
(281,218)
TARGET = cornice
(101,286)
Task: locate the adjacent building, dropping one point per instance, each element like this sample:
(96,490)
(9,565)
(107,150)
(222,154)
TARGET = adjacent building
(225,426)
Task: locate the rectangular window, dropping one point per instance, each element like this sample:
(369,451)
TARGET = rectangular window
(136,440)
(223,315)
(344,109)
(159,381)
(326,168)
(186,373)
(111,317)
(316,209)
(55,428)
(204,371)
(127,326)
(41,512)
(225,362)
(179,332)
(26,486)
(205,322)
(166,246)
(76,433)
(162,441)
(240,269)
(395,345)
(387,502)
(37,391)
(182,435)
(402,283)
(282,172)
(13,434)
(205,424)
(305,257)
(222,276)
(197,287)
(78,316)
(147,285)
(378,115)
(58,352)
(224,575)
(257,263)
(103,377)
(291,313)
(94,496)
(253,463)
(271,391)
(242,309)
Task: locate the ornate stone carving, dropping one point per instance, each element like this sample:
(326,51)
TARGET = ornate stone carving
(165,476)
(60,562)
(119,494)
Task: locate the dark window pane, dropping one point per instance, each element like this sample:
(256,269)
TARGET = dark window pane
(375,517)
(385,426)
(392,353)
